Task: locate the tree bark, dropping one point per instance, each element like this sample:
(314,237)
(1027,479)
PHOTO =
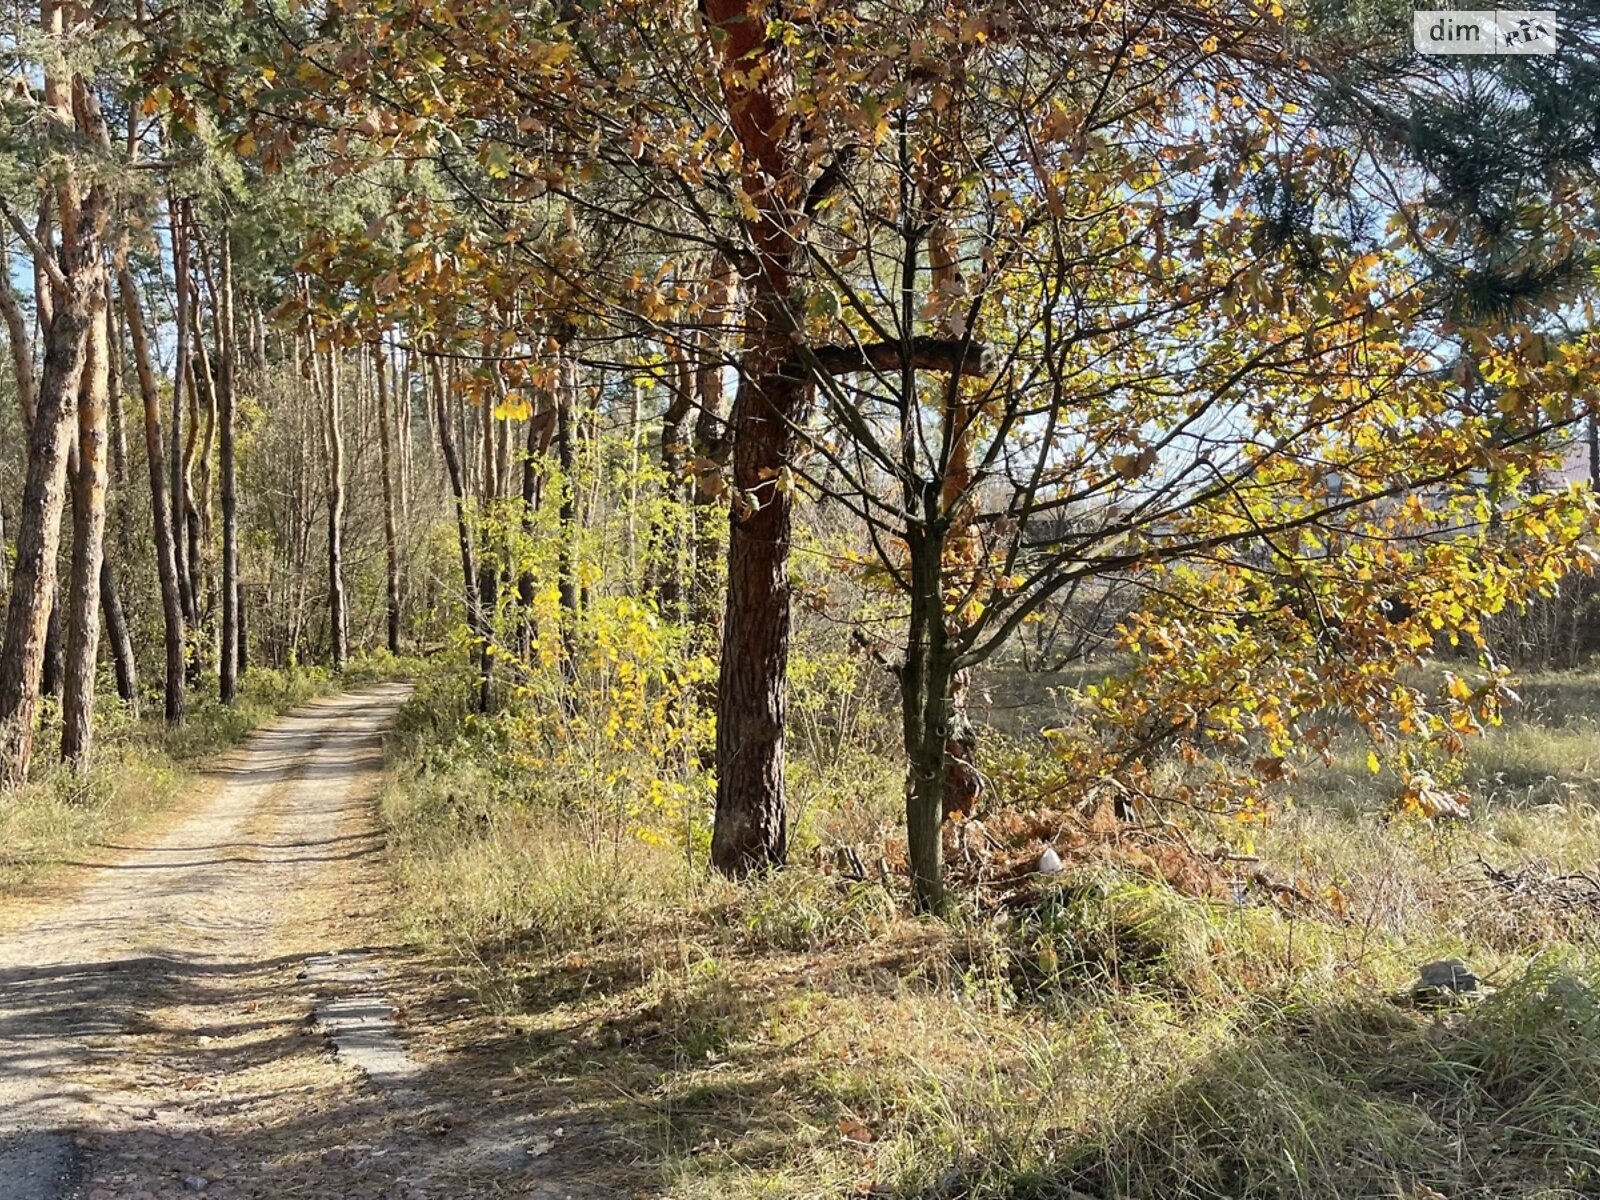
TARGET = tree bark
(751,829)
(567,558)
(88,474)
(120,639)
(50,672)
(338,629)
(44,290)
(541,428)
(304,501)
(21,343)
(1594,452)
(711,449)
(458,492)
(197,469)
(114,384)
(488,588)
(666,568)
(244,634)
(44,497)
(962,547)
(22,371)
(160,500)
(179,457)
(925,686)
(228,671)
(391,536)
(69,308)
(403,420)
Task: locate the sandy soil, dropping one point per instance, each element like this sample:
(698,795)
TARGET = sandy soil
(159,1032)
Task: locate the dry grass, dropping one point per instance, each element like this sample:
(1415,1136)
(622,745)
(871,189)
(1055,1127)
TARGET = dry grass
(802,1037)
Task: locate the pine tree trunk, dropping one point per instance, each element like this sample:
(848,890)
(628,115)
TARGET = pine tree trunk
(751,830)
(667,549)
(123,660)
(338,629)
(43,289)
(304,502)
(488,589)
(244,634)
(391,536)
(635,395)
(39,530)
(711,448)
(178,458)
(540,430)
(193,530)
(202,526)
(160,500)
(404,417)
(228,671)
(50,673)
(757,79)
(458,491)
(115,382)
(567,558)
(21,343)
(89,475)
(22,372)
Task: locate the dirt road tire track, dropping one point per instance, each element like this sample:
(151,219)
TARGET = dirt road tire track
(164,1003)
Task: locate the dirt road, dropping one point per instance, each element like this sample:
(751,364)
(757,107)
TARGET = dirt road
(163,1032)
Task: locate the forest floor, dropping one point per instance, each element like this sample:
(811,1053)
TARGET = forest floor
(1145,1024)
(544,1012)
(166,1003)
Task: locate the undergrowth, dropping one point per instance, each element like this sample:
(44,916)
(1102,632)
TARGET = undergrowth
(1095,1034)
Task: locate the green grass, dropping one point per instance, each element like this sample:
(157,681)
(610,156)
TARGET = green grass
(1104,1035)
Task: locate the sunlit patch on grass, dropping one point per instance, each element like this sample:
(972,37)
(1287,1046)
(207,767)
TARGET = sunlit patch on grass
(1099,1034)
